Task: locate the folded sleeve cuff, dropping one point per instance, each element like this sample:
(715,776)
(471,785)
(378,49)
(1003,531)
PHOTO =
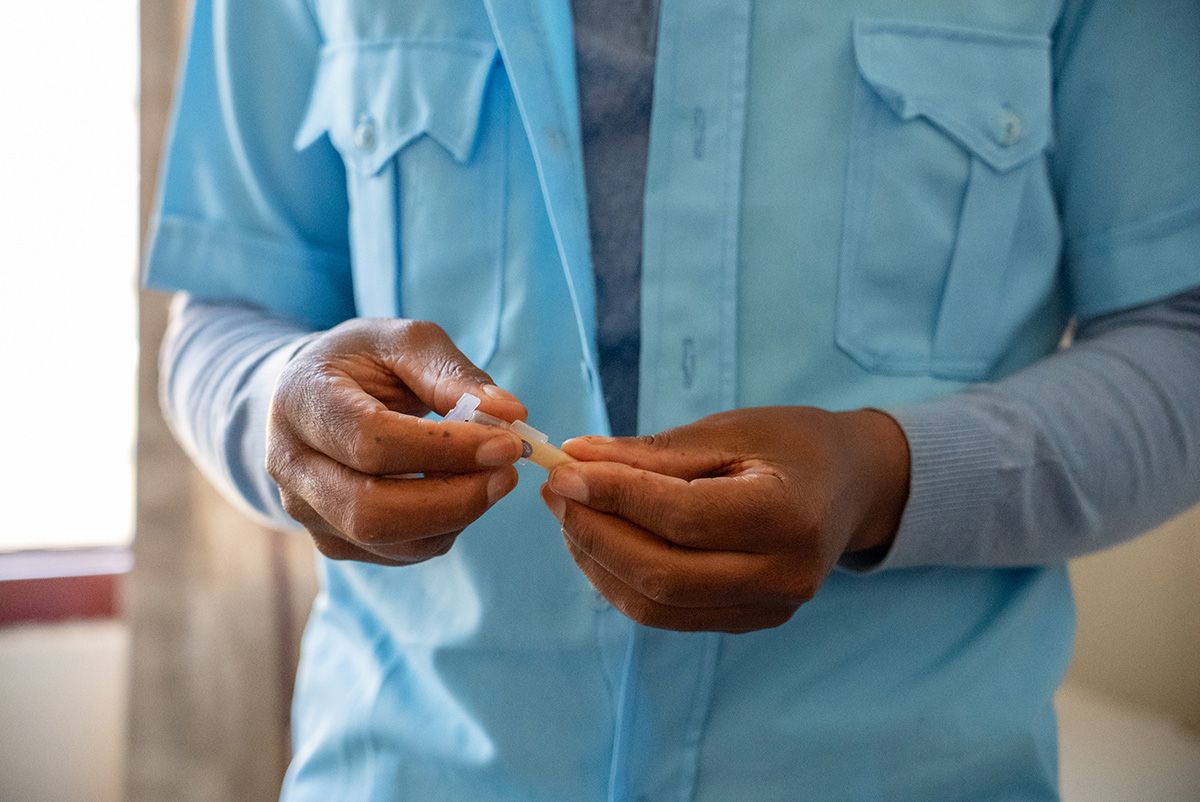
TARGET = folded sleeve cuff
(210,260)
(1136,264)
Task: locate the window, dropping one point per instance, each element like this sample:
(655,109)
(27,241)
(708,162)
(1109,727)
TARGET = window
(68,255)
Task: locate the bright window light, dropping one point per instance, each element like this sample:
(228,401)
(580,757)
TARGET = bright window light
(68,255)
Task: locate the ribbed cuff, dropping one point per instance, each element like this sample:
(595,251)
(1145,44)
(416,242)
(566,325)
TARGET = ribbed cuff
(952,489)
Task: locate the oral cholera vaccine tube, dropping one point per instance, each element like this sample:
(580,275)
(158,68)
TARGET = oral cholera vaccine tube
(537,448)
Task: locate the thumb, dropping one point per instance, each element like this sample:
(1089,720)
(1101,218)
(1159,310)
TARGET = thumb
(432,367)
(680,452)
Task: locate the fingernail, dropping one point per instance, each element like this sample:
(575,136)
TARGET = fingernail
(498,451)
(569,483)
(557,505)
(499,486)
(492,391)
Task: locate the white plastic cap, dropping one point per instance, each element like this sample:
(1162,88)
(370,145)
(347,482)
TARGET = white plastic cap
(466,406)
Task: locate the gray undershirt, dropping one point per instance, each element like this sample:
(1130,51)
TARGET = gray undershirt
(614,51)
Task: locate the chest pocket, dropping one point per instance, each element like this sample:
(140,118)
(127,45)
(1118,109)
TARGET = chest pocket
(422,127)
(947,201)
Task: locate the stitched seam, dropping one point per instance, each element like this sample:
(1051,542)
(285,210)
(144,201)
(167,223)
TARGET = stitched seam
(667,170)
(220,230)
(1158,225)
(472,47)
(955,33)
(587,338)
(736,107)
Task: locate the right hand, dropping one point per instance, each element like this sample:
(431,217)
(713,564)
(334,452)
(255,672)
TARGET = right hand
(346,434)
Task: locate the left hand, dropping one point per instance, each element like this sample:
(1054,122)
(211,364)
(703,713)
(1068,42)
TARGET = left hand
(731,523)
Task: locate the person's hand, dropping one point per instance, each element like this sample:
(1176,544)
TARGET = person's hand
(730,523)
(359,467)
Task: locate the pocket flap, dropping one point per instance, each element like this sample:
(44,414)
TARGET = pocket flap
(373,98)
(987,90)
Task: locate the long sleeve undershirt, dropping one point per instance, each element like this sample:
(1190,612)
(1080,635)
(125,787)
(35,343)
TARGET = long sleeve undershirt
(1083,450)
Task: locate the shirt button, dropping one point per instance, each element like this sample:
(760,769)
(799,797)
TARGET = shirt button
(1010,129)
(555,138)
(364,134)
(599,602)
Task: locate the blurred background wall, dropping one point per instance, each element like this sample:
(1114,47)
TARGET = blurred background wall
(185,696)
(1138,637)
(215,603)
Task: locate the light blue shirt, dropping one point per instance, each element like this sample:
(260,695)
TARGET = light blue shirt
(842,210)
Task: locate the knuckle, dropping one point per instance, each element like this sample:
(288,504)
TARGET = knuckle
(466,507)
(660,584)
(761,620)
(478,502)
(421,550)
(433,547)
(280,458)
(330,547)
(418,333)
(407,554)
(684,524)
(462,518)
(613,496)
(801,590)
(276,462)
(426,328)
(474,511)
(639,611)
(444,545)
(362,523)
(738,627)
(810,514)
(290,379)
(293,505)
(454,365)
(780,618)
(369,452)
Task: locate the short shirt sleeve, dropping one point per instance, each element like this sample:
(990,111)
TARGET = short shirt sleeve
(241,213)
(1127,100)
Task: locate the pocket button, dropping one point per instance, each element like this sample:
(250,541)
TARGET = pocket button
(1010,129)
(556,139)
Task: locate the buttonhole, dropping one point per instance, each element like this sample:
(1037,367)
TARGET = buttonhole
(689,362)
(699,132)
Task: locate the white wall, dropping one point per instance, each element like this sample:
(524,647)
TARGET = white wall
(1139,621)
(63,712)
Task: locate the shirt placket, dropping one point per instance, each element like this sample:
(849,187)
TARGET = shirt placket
(689,351)
(689,262)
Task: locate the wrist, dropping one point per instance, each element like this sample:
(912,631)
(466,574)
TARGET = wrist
(881,479)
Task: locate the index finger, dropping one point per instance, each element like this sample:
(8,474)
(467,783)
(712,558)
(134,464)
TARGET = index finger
(726,513)
(661,572)
(358,431)
(667,453)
